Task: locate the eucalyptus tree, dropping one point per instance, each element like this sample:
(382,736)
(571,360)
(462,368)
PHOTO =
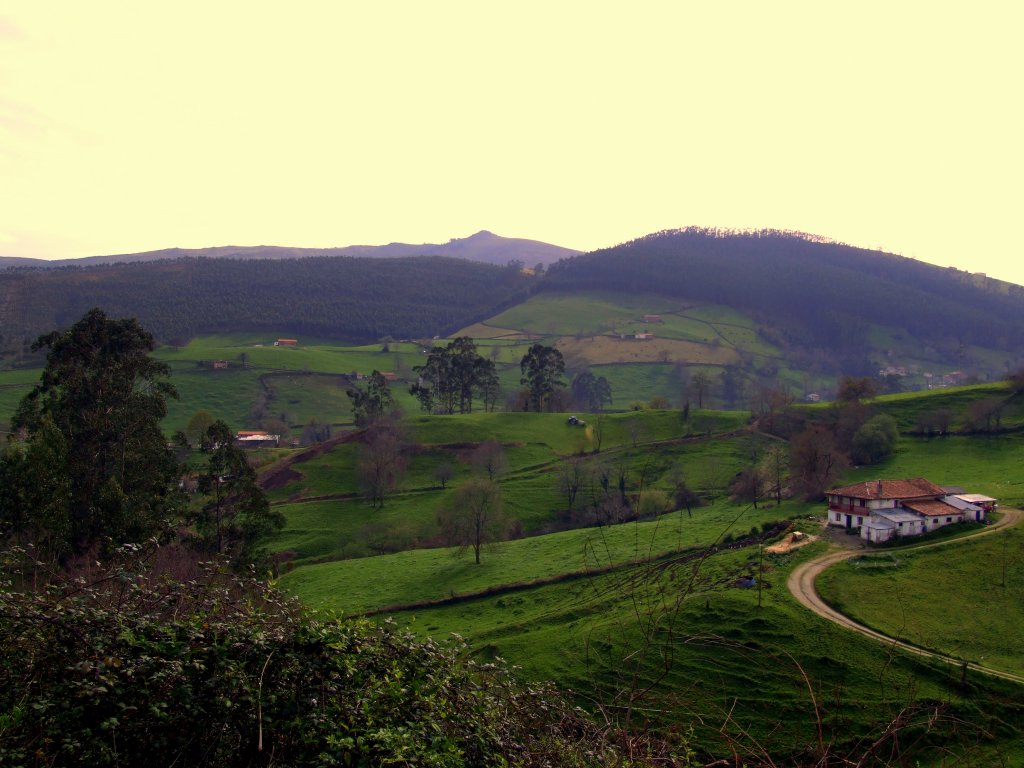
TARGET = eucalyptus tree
(91,427)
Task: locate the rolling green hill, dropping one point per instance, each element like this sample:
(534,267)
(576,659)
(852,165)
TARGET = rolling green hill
(647,620)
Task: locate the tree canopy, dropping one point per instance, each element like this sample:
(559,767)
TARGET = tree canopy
(542,368)
(452,376)
(94,463)
(236,514)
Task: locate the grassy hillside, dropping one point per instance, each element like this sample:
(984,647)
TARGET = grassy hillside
(689,651)
(423,575)
(962,600)
(538,448)
(646,607)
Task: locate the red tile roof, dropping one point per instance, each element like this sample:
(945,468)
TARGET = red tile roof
(914,488)
(932,508)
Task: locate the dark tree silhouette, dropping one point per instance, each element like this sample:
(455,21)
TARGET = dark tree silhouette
(542,368)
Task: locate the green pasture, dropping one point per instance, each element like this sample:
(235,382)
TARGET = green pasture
(705,663)
(14,385)
(537,451)
(907,407)
(644,381)
(964,599)
(312,355)
(227,394)
(352,528)
(589,313)
(552,430)
(980,464)
(356,585)
(299,398)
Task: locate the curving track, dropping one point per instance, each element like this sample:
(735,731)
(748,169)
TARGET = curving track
(801,585)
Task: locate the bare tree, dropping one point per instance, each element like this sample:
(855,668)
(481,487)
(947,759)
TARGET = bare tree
(381,463)
(700,385)
(489,459)
(598,427)
(635,430)
(572,474)
(986,415)
(816,461)
(474,517)
(748,486)
(443,473)
(775,470)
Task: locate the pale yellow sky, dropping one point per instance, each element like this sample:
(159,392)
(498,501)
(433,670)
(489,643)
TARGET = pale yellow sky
(128,126)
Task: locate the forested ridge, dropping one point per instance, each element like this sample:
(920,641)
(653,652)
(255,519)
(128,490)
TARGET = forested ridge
(823,293)
(822,297)
(356,299)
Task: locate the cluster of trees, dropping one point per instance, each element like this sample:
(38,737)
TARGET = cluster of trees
(609,490)
(822,445)
(361,299)
(590,392)
(372,402)
(88,466)
(452,376)
(542,369)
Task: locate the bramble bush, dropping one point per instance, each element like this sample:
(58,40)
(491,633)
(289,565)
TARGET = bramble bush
(124,668)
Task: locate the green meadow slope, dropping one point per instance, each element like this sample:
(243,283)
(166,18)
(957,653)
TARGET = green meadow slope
(648,620)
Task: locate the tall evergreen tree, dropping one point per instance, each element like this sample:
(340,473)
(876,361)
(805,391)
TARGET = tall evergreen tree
(542,368)
(236,514)
(453,376)
(92,430)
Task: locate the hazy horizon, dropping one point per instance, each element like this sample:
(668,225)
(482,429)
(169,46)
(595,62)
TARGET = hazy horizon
(130,128)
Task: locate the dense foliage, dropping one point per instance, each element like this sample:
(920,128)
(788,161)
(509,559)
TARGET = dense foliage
(127,669)
(371,402)
(542,368)
(359,299)
(452,376)
(94,463)
(824,294)
(236,516)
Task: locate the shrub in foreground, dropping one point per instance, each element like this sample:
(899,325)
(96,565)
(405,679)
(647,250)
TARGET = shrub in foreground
(122,668)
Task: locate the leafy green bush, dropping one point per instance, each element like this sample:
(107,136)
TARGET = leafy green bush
(128,669)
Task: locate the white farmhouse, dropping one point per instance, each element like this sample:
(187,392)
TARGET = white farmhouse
(885,509)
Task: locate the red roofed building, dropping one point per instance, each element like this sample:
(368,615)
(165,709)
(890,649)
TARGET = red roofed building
(884,509)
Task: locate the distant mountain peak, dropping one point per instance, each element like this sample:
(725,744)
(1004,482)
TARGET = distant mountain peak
(483,246)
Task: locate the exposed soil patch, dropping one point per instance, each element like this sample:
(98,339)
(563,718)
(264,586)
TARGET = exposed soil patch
(280,473)
(789,542)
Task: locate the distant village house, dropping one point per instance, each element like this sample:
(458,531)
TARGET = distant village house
(886,509)
(286,343)
(652,319)
(642,336)
(220,364)
(257,439)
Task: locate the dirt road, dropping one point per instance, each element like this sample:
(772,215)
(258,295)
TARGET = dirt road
(801,585)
